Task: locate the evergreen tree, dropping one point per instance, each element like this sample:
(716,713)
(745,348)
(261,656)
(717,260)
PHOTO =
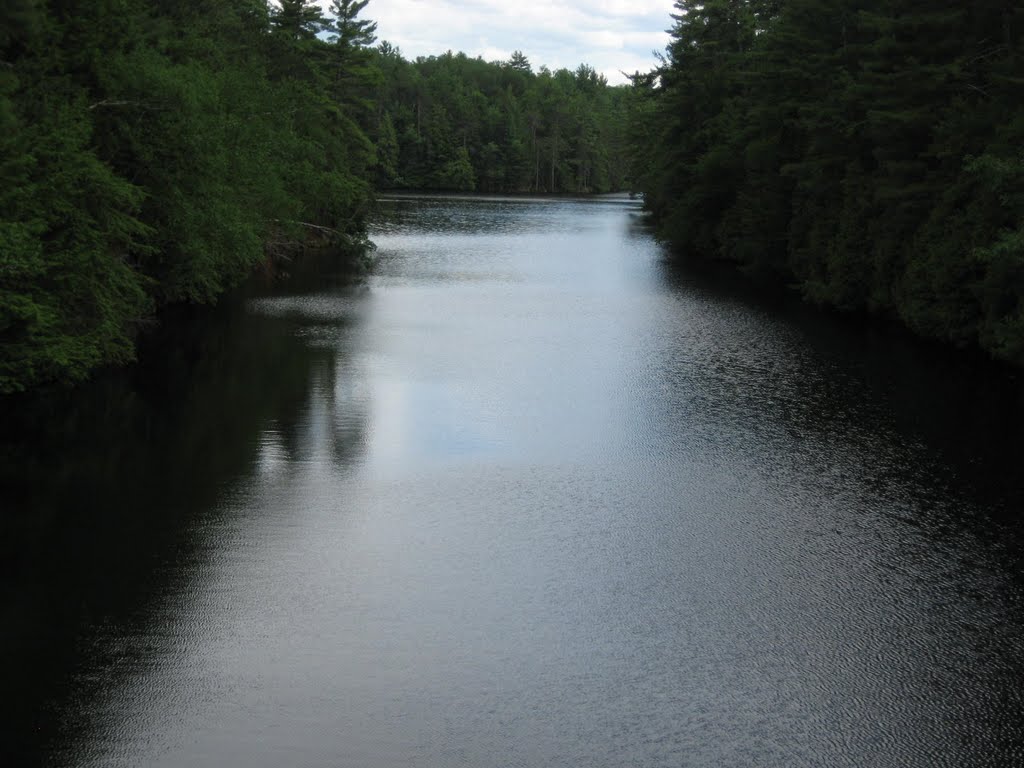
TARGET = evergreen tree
(298,19)
(349,31)
(519,62)
(462,123)
(866,153)
(152,154)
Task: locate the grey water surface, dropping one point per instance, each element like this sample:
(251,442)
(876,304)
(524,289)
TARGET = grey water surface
(526,496)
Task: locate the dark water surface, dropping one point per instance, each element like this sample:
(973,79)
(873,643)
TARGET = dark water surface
(525,497)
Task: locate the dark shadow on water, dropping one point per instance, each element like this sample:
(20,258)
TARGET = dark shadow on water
(103,484)
(964,410)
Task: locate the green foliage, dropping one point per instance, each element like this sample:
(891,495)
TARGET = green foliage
(466,124)
(297,19)
(157,153)
(457,173)
(351,32)
(68,296)
(866,153)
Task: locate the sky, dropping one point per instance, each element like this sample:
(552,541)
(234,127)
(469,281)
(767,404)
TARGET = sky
(610,35)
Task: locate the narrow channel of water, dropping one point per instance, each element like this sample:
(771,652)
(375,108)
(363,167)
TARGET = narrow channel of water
(527,496)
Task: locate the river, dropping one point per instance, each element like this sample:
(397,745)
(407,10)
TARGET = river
(528,495)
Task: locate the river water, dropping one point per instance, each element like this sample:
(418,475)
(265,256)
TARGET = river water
(526,496)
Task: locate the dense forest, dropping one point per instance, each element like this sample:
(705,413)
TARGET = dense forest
(158,152)
(153,153)
(458,123)
(868,153)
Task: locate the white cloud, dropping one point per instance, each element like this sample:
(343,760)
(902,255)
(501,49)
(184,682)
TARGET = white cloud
(609,35)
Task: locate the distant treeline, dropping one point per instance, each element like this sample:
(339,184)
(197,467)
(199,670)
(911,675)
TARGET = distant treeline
(456,123)
(153,153)
(870,153)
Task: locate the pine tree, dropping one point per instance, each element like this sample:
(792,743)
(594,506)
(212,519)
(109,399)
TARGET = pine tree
(349,31)
(298,19)
(867,153)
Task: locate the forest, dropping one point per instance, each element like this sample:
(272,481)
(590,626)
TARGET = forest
(156,153)
(869,154)
(866,154)
(451,122)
